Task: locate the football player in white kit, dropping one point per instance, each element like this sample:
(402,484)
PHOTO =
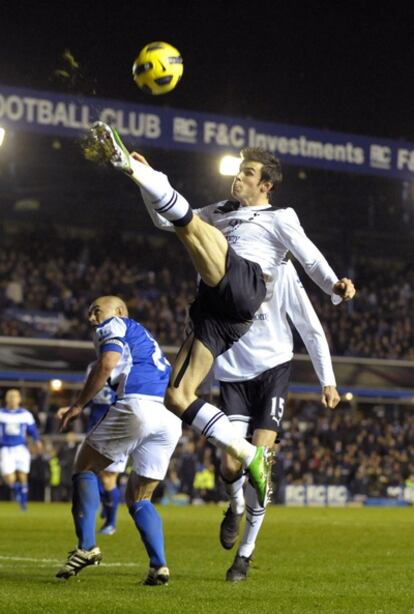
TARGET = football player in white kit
(254,379)
(136,425)
(15,424)
(108,479)
(236,247)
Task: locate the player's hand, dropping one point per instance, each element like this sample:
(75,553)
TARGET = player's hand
(345,289)
(330,397)
(139,157)
(66,415)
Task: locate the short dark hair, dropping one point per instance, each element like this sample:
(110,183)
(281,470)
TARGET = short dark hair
(272,169)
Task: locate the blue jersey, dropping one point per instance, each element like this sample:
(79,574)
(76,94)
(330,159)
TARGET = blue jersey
(100,403)
(143,368)
(14,425)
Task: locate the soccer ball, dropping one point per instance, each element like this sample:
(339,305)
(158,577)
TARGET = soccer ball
(158,68)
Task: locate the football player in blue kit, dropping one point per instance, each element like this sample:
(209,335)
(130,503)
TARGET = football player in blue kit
(15,424)
(137,425)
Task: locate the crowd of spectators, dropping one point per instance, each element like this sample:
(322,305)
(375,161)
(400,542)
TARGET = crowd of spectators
(367,449)
(46,286)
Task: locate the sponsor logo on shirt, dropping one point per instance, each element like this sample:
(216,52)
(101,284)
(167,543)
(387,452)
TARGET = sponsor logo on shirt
(261,316)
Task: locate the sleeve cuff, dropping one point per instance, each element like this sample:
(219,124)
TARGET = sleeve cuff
(111,347)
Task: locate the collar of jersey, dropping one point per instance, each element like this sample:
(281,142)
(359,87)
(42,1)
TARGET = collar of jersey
(235,205)
(254,207)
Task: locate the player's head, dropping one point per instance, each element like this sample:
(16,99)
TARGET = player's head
(271,169)
(260,172)
(13,398)
(106,307)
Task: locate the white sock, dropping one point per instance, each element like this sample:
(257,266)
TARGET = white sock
(213,424)
(235,493)
(254,519)
(163,198)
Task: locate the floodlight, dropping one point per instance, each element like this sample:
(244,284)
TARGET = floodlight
(56,385)
(229,165)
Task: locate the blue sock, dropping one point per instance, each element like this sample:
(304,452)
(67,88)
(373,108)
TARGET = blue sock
(16,491)
(24,495)
(103,513)
(149,524)
(110,502)
(85,505)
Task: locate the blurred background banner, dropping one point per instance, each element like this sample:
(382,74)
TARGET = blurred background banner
(42,360)
(363,375)
(42,323)
(69,115)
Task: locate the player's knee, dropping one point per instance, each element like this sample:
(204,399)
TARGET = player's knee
(108,480)
(230,467)
(176,400)
(136,495)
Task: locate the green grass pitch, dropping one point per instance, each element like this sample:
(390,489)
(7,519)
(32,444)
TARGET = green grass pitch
(321,560)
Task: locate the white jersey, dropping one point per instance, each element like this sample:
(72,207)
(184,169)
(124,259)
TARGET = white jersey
(269,341)
(263,234)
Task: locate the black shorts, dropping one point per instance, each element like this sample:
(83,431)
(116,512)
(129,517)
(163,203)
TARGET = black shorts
(221,315)
(259,401)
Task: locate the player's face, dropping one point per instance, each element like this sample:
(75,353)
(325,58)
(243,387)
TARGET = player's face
(99,312)
(13,399)
(248,187)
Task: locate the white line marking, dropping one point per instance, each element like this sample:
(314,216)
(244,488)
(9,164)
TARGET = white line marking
(28,559)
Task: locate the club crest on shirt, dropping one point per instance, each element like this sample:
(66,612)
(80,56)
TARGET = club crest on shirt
(235,224)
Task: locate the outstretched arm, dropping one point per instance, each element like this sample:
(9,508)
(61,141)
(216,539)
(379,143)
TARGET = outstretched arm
(315,264)
(305,320)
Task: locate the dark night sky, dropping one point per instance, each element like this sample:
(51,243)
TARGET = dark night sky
(343,66)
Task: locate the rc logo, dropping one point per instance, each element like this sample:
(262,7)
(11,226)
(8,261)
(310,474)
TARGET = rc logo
(380,156)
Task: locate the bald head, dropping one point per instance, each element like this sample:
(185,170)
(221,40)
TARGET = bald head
(115,303)
(106,307)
